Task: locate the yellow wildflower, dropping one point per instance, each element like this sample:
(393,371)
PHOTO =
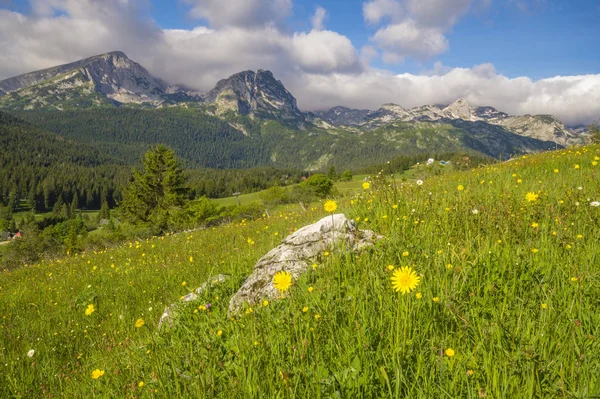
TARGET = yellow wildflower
(405,280)
(330,206)
(90,309)
(97,374)
(139,323)
(282,281)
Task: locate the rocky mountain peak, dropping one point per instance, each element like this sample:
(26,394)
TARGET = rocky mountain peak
(459,109)
(113,76)
(254,93)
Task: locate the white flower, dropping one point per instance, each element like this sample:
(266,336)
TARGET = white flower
(475,211)
(579,188)
(577,203)
(595,203)
(430,161)
(30,353)
(419,182)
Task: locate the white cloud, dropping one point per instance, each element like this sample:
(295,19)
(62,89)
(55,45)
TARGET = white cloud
(573,99)
(241,13)
(318,19)
(376,10)
(407,38)
(321,68)
(415,28)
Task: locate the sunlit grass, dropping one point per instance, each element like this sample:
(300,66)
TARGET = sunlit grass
(507,304)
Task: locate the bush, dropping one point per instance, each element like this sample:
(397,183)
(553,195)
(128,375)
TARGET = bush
(346,176)
(274,196)
(319,185)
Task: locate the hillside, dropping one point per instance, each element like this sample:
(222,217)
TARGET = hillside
(204,140)
(40,165)
(506,305)
(255,104)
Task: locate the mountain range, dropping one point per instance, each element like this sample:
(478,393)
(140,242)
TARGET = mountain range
(259,107)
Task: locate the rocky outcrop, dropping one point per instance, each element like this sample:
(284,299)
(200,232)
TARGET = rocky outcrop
(170,311)
(297,252)
(254,93)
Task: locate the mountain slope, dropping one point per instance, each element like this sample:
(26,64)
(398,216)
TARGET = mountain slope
(542,127)
(103,80)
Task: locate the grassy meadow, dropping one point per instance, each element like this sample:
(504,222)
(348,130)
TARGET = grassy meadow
(508,304)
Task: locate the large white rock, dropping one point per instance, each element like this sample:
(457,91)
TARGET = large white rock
(296,253)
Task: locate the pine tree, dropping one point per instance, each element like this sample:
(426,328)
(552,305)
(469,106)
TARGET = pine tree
(155,194)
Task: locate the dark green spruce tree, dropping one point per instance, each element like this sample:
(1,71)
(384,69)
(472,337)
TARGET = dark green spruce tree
(156,194)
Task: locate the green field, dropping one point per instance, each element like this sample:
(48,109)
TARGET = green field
(506,307)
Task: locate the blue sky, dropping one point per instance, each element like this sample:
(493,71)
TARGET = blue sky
(520,56)
(536,38)
(551,38)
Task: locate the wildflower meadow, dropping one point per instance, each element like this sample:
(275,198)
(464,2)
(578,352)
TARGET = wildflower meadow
(487,284)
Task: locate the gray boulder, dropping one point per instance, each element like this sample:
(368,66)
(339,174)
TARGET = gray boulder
(169,312)
(297,252)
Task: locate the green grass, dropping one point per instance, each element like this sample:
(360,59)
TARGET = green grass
(513,290)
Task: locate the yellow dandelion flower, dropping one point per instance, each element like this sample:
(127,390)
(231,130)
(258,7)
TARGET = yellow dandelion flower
(450,352)
(282,281)
(470,372)
(314,266)
(330,206)
(97,374)
(595,163)
(460,187)
(405,280)
(390,267)
(140,384)
(535,225)
(436,299)
(183,284)
(310,289)
(449,266)
(535,250)
(366,185)
(139,323)
(419,295)
(405,253)
(219,333)
(265,303)
(574,279)
(543,306)
(531,197)
(305,309)
(317,316)
(90,309)
(576,166)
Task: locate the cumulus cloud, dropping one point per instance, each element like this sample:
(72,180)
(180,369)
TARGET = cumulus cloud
(413,28)
(318,19)
(408,38)
(320,67)
(241,13)
(573,99)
